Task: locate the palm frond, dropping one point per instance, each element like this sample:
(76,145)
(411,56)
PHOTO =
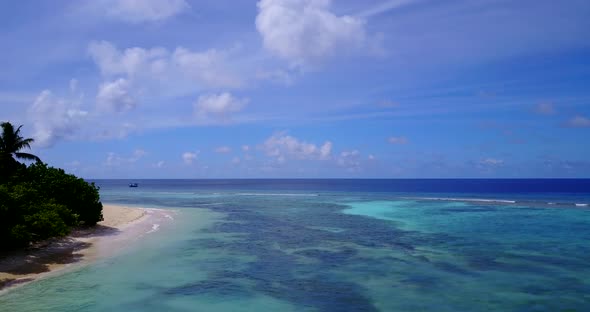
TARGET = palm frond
(11,142)
(17,132)
(23,143)
(27,156)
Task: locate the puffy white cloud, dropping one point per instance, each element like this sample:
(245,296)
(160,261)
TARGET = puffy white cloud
(245,148)
(137,11)
(131,61)
(283,147)
(182,66)
(189,157)
(115,96)
(545,108)
(54,118)
(305,32)
(223,149)
(398,140)
(578,122)
(159,164)
(217,108)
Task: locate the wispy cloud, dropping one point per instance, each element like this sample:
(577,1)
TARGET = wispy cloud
(223,149)
(578,122)
(491,162)
(114,159)
(398,140)
(383,7)
(134,11)
(545,108)
(350,160)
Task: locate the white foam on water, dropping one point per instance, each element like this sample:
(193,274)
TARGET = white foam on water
(275,194)
(499,201)
(482,200)
(155,227)
(168,216)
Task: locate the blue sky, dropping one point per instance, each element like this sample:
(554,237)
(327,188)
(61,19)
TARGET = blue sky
(301,88)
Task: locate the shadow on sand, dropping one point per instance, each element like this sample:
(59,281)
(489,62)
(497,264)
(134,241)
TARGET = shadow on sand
(40,257)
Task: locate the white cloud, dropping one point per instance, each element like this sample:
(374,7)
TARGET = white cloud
(159,164)
(189,157)
(398,140)
(371,157)
(245,148)
(73,85)
(545,108)
(350,160)
(578,122)
(206,67)
(223,149)
(55,118)
(217,108)
(114,159)
(491,162)
(137,11)
(180,67)
(115,130)
(137,154)
(385,6)
(115,96)
(283,147)
(326,150)
(131,61)
(305,32)
(236,160)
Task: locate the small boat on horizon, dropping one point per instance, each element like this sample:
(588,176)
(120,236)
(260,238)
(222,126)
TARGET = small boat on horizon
(133,185)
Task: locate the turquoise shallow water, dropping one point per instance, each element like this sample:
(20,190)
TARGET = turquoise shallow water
(280,247)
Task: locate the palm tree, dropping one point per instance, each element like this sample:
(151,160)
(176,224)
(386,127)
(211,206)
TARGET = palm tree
(11,143)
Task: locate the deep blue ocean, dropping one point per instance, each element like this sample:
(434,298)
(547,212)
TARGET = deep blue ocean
(339,245)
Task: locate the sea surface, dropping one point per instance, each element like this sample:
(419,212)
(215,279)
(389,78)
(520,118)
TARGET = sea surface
(339,245)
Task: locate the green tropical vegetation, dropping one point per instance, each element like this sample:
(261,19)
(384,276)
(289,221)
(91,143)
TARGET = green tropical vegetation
(38,202)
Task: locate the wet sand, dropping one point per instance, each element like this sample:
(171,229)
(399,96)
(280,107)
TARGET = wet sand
(80,247)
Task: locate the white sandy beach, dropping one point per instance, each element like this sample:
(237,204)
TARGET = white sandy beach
(121,226)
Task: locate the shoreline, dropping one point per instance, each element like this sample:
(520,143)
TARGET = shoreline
(121,224)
